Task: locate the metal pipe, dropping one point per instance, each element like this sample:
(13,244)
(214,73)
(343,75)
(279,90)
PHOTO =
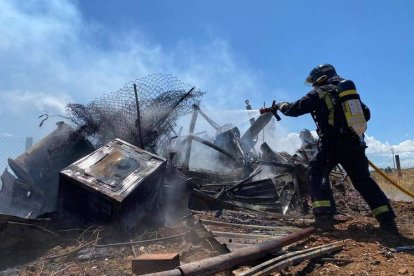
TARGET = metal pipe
(282,262)
(167,114)
(138,122)
(208,119)
(250,135)
(191,131)
(227,261)
(211,145)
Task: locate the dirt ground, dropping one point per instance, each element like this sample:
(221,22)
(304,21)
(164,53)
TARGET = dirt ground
(368,251)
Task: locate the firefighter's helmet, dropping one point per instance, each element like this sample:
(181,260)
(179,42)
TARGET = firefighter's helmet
(306,136)
(321,73)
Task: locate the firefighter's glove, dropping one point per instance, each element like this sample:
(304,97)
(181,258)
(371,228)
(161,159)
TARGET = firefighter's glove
(273,109)
(266,110)
(282,106)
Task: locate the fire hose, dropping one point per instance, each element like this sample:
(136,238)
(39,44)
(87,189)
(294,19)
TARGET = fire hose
(399,187)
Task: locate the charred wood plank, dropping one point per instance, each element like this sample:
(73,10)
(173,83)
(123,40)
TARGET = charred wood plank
(213,203)
(276,229)
(143,241)
(279,164)
(253,174)
(243,235)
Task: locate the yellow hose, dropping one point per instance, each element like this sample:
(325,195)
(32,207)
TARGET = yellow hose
(390,180)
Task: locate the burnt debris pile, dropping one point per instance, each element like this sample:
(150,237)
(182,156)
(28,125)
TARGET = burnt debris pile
(241,178)
(122,162)
(245,174)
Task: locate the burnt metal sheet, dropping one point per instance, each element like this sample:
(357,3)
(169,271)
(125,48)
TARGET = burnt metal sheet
(118,183)
(249,137)
(38,167)
(238,235)
(19,199)
(114,170)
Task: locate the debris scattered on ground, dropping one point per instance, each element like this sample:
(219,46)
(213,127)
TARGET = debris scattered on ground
(95,198)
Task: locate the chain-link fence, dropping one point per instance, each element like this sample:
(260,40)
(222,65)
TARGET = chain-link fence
(11,147)
(160,100)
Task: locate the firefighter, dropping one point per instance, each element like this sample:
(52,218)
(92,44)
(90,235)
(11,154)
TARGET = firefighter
(339,143)
(307,140)
(308,147)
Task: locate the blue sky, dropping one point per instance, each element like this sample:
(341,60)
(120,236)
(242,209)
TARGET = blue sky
(54,52)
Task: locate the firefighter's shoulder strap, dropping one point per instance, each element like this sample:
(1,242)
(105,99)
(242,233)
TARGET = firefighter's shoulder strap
(328,94)
(345,99)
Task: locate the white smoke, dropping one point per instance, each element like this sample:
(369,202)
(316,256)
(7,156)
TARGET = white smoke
(51,56)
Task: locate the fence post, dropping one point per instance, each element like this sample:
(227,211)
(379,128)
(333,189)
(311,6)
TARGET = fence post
(29,142)
(397,160)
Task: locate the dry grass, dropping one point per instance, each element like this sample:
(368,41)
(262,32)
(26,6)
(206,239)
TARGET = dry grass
(406,181)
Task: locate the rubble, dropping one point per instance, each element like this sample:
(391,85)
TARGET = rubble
(227,261)
(123,181)
(34,189)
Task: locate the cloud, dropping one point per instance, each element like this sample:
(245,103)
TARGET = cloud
(378,152)
(382,152)
(17,101)
(51,55)
(377,147)
(54,55)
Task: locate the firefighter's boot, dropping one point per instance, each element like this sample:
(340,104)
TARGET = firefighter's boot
(324,222)
(388,226)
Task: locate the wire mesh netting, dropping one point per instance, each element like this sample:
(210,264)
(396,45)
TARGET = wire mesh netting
(10,147)
(162,99)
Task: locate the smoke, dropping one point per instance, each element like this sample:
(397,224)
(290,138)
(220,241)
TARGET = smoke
(381,153)
(161,100)
(54,56)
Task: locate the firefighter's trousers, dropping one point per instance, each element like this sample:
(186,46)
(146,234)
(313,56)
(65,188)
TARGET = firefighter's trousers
(353,159)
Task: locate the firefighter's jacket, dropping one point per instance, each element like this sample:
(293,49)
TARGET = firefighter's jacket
(315,104)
